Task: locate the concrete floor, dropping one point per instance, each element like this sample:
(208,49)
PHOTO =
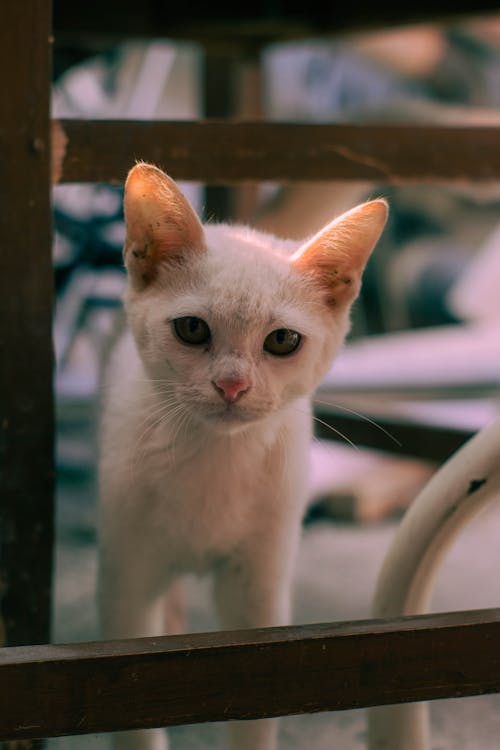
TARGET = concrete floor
(335,578)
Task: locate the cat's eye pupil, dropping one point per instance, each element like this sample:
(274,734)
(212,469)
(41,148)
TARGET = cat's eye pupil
(191,330)
(281,342)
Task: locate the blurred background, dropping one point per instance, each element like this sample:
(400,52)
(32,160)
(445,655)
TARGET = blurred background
(426,319)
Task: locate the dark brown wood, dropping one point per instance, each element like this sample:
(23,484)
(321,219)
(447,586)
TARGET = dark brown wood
(219,78)
(94,687)
(410,437)
(250,107)
(26,413)
(230,152)
(256,22)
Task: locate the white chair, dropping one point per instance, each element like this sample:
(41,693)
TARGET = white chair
(459,490)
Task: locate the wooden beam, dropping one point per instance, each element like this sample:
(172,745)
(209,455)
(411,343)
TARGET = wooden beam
(98,687)
(258,23)
(229,152)
(219,94)
(26,295)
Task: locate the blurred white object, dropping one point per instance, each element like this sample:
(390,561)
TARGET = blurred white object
(475,295)
(443,357)
(463,487)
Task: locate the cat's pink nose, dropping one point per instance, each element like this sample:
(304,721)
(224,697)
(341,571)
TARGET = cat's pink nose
(231,390)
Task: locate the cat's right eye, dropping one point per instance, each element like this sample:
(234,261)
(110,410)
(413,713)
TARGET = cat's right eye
(281,342)
(191,330)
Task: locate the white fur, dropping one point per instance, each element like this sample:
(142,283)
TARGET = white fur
(190,484)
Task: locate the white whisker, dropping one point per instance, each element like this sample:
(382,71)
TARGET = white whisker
(328,426)
(155,410)
(337,432)
(161,414)
(362,416)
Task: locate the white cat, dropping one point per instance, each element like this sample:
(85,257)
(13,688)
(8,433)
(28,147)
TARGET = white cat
(206,431)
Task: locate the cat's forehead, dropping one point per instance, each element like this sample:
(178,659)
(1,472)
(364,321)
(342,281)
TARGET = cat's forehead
(244,280)
(246,277)
(228,238)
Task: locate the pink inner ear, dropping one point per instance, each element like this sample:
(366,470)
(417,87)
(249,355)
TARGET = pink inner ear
(337,255)
(161,224)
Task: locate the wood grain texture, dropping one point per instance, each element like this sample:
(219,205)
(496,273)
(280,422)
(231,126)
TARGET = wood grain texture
(94,687)
(229,152)
(26,407)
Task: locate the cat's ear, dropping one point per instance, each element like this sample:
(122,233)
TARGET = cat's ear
(336,255)
(161,225)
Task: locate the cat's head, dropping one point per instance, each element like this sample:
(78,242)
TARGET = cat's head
(233,323)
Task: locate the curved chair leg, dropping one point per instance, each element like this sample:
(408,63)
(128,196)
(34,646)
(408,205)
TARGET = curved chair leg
(461,488)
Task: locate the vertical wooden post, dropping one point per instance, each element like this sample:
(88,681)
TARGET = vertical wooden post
(218,102)
(26,296)
(232,88)
(250,109)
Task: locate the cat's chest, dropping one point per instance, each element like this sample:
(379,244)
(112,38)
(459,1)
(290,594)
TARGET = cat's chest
(203,503)
(202,466)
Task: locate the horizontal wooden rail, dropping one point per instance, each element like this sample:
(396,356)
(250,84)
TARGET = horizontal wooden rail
(232,152)
(96,687)
(259,22)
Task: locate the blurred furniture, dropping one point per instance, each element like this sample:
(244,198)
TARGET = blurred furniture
(431,388)
(463,487)
(340,665)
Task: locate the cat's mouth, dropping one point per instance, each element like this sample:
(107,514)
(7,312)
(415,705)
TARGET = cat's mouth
(230,416)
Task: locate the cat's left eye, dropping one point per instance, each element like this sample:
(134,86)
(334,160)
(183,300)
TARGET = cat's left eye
(281,342)
(191,330)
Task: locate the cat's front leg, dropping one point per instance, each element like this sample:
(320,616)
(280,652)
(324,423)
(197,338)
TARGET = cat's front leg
(128,606)
(254,590)
(132,605)
(140,739)
(244,600)
(260,734)
(125,614)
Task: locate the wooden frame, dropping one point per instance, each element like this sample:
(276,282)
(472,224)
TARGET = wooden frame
(26,361)
(95,687)
(221,152)
(53,690)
